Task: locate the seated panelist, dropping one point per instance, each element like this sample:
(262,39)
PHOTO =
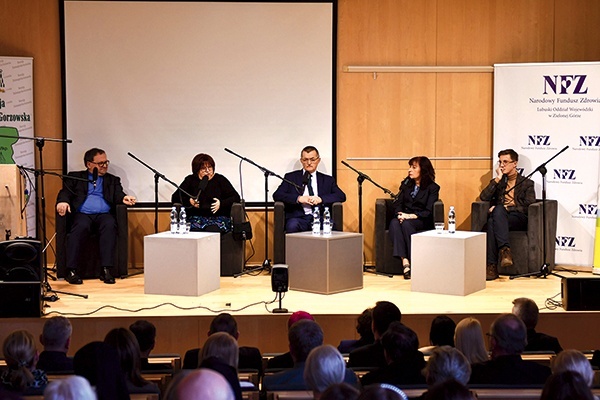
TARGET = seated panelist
(213,195)
(318,190)
(93,207)
(413,208)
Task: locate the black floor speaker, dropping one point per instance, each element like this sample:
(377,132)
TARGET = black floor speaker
(581,293)
(21,278)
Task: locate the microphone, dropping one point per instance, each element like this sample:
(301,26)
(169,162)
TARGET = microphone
(406,181)
(203,184)
(95,175)
(504,179)
(305,179)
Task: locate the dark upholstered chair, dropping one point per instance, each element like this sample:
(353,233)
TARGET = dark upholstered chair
(89,263)
(337,214)
(384,212)
(232,251)
(527,247)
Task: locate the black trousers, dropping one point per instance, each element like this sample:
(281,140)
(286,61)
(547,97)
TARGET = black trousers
(401,233)
(500,222)
(83,225)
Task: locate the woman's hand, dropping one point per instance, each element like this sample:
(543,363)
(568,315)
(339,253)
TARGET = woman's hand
(404,216)
(214,207)
(194,203)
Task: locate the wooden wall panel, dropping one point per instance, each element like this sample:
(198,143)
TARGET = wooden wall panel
(576,30)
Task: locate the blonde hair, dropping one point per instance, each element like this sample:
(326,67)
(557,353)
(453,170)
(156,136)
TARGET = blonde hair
(575,361)
(223,346)
(20,354)
(468,338)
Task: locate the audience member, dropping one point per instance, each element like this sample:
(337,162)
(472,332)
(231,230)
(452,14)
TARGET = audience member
(128,351)
(178,377)
(507,342)
(324,367)
(468,338)
(441,333)
(404,360)
(446,364)
(145,333)
(528,311)
(220,353)
(450,390)
(303,336)
(340,391)
(20,355)
(99,363)
(248,358)
(56,338)
(70,388)
(371,355)
(576,361)
(203,384)
(363,328)
(382,391)
(566,385)
(285,360)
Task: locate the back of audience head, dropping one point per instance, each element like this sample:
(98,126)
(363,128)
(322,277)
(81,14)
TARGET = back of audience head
(469,339)
(304,336)
(70,388)
(399,341)
(129,354)
(384,313)
(566,385)
(223,346)
(340,391)
(56,334)
(99,363)
(20,355)
(382,391)
(449,390)
(224,322)
(145,333)
(364,325)
(527,310)
(202,384)
(576,361)
(508,335)
(447,363)
(442,331)
(325,366)
(299,316)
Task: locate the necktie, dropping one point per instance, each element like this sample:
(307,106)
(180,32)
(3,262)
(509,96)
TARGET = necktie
(309,184)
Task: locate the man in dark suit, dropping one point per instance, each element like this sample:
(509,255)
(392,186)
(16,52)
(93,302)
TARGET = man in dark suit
(91,195)
(56,338)
(508,337)
(145,333)
(528,311)
(318,190)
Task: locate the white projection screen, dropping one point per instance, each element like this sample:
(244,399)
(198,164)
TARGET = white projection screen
(166,80)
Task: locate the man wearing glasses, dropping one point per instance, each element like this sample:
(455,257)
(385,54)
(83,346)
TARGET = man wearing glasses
(318,190)
(510,195)
(92,197)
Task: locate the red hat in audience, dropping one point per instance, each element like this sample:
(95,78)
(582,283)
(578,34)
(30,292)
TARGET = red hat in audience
(297,316)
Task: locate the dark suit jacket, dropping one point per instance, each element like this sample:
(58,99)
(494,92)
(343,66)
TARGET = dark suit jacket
(249,358)
(509,370)
(54,361)
(421,205)
(284,360)
(327,189)
(293,379)
(524,193)
(404,372)
(370,355)
(75,192)
(537,341)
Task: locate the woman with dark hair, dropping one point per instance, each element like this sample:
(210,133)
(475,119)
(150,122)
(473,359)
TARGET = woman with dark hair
(21,356)
(207,196)
(413,208)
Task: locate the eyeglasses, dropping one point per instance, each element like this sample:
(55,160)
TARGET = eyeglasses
(206,168)
(309,160)
(504,162)
(101,163)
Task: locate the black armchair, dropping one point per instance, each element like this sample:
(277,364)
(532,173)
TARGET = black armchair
(337,214)
(527,247)
(232,251)
(384,212)
(89,262)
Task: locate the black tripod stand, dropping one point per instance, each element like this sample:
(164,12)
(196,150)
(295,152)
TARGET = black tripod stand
(545,268)
(360,179)
(266,265)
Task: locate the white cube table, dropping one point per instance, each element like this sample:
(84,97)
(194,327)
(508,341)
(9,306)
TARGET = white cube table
(448,263)
(182,264)
(324,264)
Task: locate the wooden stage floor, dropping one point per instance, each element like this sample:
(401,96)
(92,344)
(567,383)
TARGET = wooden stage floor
(182,321)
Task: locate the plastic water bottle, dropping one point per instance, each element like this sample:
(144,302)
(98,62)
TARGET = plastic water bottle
(182,221)
(451,220)
(316,226)
(174,220)
(326,222)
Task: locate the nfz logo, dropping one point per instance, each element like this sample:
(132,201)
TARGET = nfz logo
(568,174)
(588,209)
(589,141)
(565,241)
(565,84)
(538,140)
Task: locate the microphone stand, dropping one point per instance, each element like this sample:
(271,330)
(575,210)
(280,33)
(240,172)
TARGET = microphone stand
(156,176)
(360,179)
(266,265)
(545,268)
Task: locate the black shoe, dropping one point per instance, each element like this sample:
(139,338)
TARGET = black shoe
(106,277)
(491,272)
(73,278)
(406,272)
